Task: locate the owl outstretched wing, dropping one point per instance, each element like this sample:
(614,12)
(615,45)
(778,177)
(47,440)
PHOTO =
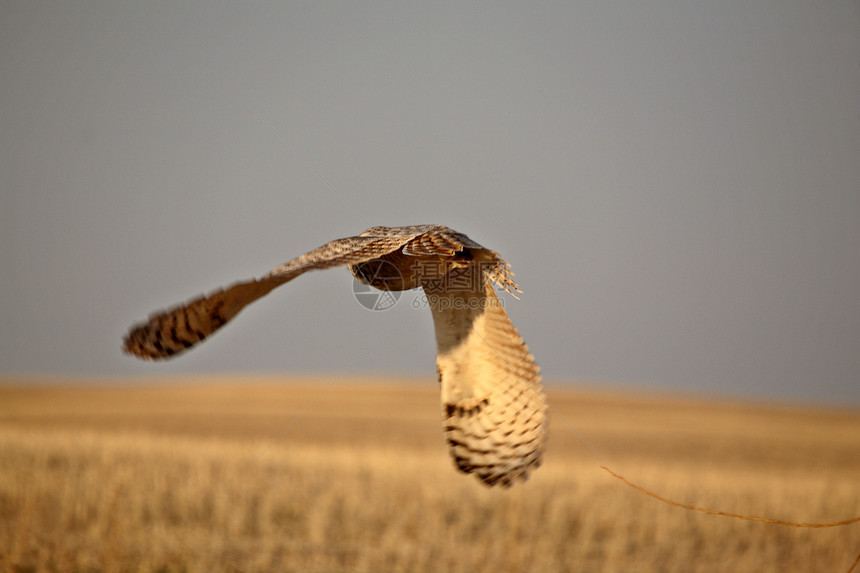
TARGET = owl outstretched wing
(493,407)
(172,331)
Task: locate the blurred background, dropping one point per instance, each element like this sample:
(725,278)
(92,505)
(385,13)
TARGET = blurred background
(676,184)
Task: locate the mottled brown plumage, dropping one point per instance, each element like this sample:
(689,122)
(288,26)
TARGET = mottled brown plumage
(493,408)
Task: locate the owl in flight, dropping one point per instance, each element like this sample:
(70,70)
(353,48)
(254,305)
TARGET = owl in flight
(493,409)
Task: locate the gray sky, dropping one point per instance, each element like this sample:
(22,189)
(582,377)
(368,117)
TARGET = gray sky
(676,184)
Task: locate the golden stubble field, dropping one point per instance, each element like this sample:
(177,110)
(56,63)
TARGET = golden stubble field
(283,475)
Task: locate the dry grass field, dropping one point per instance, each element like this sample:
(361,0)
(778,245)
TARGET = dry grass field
(271,475)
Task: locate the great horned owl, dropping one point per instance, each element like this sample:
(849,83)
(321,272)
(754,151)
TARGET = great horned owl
(493,408)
